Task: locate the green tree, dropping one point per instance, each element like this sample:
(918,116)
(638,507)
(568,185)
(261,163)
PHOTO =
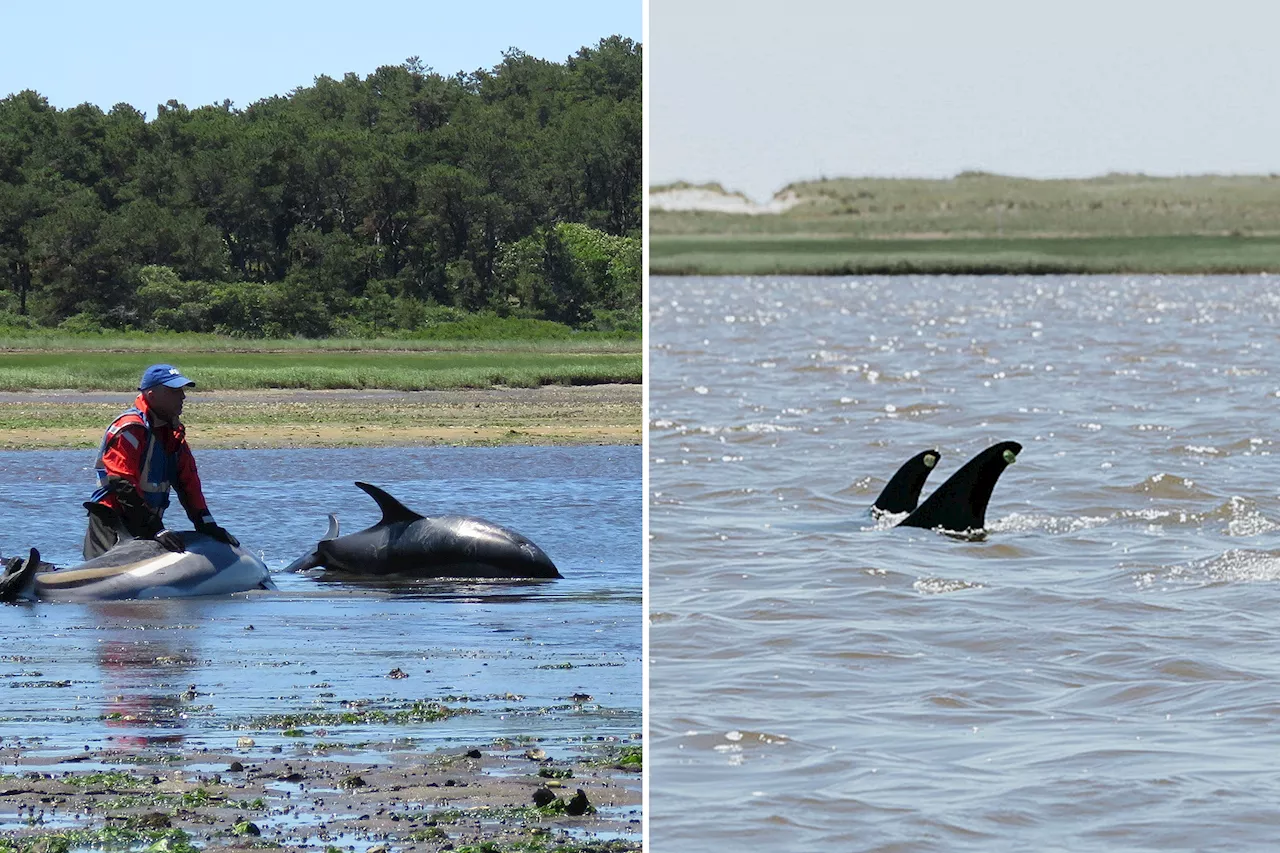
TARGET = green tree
(471,191)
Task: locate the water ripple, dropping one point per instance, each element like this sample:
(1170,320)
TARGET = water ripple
(1094,675)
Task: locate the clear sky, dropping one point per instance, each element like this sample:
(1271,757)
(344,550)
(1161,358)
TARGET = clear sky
(756,94)
(145,52)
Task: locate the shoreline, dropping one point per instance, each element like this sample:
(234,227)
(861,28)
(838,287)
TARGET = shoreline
(281,418)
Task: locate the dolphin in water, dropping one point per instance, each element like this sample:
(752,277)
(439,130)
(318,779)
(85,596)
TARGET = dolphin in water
(959,505)
(407,544)
(139,568)
(902,493)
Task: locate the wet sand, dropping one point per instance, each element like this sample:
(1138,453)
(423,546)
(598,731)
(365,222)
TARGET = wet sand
(553,414)
(407,802)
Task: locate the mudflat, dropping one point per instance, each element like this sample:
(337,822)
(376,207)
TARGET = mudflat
(400,801)
(550,414)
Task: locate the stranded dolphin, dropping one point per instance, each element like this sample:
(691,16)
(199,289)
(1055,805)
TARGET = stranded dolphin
(139,568)
(902,492)
(960,504)
(411,545)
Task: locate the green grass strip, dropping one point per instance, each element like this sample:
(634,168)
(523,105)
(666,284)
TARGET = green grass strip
(758,254)
(481,332)
(401,371)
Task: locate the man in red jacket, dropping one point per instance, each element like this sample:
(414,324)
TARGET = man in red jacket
(143,454)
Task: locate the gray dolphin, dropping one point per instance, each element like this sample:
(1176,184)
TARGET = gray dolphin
(139,568)
(411,545)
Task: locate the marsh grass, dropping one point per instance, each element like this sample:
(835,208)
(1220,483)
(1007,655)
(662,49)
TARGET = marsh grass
(981,223)
(976,204)
(816,255)
(472,334)
(402,371)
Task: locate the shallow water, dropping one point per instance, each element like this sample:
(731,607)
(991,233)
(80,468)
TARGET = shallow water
(1101,673)
(203,673)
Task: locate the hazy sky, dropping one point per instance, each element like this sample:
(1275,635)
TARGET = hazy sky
(144,53)
(758,93)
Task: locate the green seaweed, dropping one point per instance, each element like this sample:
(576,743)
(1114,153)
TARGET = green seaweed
(107,838)
(632,757)
(109,779)
(430,833)
(538,845)
(420,711)
(555,772)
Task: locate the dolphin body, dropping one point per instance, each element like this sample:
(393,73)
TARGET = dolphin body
(407,544)
(139,568)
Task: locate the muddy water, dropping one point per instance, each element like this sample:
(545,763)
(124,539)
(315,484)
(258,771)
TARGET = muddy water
(558,661)
(1101,673)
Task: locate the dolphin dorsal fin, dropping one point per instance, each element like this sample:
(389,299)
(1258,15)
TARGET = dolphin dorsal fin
(332,533)
(960,504)
(111,518)
(902,493)
(392,509)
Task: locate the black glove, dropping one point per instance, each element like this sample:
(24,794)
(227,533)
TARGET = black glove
(170,539)
(213,531)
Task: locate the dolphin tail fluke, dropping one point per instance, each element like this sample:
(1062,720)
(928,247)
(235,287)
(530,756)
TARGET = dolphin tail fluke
(310,561)
(960,504)
(306,561)
(392,509)
(18,576)
(902,493)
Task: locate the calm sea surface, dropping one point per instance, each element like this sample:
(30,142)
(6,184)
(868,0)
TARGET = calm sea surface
(116,673)
(1101,673)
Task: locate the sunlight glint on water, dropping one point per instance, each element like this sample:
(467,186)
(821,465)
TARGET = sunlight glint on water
(1101,673)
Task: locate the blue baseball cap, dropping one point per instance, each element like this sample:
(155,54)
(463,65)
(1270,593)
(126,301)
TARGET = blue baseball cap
(163,374)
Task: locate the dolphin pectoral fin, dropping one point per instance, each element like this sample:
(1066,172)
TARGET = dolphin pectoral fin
(392,509)
(18,576)
(333,528)
(902,492)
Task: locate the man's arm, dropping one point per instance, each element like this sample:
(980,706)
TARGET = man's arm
(189,489)
(191,494)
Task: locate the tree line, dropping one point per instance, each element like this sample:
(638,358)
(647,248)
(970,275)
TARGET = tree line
(349,206)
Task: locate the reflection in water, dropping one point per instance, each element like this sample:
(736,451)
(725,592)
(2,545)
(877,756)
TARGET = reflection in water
(497,589)
(147,666)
